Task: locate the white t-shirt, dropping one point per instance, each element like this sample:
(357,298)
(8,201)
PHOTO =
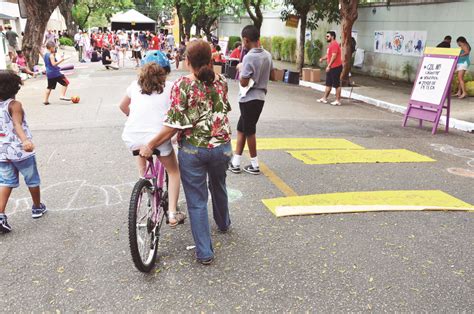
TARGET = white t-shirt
(147,113)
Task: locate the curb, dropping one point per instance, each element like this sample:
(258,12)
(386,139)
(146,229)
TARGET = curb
(453,123)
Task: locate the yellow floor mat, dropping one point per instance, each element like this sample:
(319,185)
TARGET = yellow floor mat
(350,202)
(303,143)
(327,157)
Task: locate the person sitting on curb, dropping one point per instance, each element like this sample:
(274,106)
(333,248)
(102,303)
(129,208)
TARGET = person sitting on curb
(22,65)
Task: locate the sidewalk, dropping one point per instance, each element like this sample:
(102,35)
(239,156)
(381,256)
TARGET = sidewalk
(394,96)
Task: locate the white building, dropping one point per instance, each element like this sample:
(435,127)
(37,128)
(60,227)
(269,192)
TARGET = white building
(10,14)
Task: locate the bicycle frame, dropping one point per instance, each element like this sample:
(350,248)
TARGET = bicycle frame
(155,171)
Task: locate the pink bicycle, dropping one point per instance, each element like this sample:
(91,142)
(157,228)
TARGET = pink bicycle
(148,208)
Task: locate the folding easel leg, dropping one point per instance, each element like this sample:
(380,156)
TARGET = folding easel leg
(448,111)
(406,117)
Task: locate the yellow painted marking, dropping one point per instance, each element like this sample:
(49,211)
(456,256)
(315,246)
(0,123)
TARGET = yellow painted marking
(365,201)
(326,157)
(303,143)
(442,51)
(279,183)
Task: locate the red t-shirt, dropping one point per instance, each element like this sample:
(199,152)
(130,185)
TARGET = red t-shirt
(334,48)
(235,54)
(156,43)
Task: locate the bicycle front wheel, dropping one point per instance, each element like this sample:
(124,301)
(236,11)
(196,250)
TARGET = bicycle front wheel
(141,226)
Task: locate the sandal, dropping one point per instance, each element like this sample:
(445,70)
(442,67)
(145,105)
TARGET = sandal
(178,217)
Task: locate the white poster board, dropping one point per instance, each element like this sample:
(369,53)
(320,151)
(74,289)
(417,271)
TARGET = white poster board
(223,43)
(434,76)
(405,43)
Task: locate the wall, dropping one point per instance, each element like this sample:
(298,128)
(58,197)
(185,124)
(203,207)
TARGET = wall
(12,10)
(455,19)
(272,26)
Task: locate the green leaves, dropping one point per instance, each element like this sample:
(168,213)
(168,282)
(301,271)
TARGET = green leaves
(98,12)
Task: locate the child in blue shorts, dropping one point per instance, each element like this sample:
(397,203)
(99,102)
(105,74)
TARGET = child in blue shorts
(16,149)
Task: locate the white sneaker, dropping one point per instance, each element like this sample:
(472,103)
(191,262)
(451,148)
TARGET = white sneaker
(336,103)
(323,100)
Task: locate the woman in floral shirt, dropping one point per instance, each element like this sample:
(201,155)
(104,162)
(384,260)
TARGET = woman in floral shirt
(198,112)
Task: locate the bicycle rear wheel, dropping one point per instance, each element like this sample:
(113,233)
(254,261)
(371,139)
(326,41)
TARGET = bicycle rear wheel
(142,226)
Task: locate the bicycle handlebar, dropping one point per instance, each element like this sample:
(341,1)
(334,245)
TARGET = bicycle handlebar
(137,152)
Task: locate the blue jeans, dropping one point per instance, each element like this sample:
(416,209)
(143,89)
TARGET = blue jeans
(196,165)
(9,173)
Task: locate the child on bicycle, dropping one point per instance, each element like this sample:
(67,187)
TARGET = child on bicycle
(146,103)
(16,149)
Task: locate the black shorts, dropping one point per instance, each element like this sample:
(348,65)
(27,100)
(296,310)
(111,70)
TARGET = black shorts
(60,79)
(333,77)
(136,54)
(249,114)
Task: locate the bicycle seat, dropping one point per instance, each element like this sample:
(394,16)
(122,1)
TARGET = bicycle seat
(155,152)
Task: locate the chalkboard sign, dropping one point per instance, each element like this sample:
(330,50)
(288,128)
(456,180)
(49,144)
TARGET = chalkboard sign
(431,91)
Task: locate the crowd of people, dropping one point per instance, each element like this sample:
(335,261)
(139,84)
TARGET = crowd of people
(112,47)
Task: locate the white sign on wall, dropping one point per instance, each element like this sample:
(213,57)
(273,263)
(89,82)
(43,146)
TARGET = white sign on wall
(432,80)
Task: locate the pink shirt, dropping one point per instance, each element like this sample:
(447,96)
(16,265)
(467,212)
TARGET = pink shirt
(21,61)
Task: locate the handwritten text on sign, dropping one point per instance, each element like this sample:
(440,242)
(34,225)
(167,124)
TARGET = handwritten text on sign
(434,75)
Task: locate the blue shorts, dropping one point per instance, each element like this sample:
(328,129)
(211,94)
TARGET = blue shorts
(9,173)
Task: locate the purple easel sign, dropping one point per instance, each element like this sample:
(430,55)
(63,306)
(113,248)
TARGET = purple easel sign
(431,91)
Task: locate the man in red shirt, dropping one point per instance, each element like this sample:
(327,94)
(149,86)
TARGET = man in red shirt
(155,42)
(333,69)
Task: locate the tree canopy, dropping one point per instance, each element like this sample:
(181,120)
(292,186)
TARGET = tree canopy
(98,12)
(310,13)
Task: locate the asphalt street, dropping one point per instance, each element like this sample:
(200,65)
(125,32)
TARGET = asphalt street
(77,258)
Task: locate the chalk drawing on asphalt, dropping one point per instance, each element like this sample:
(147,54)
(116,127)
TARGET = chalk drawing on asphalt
(458,152)
(77,195)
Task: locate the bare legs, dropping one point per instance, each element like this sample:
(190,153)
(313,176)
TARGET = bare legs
(327,92)
(462,85)
(63,91)
(251,141)
(5,195)
(46,96)
(171,164)
(36,196)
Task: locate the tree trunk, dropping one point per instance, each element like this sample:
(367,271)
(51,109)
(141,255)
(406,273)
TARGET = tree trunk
(300,57)
(38,12)
(182,31)
(187,29)
(256,17)
(349,16)
(66,10)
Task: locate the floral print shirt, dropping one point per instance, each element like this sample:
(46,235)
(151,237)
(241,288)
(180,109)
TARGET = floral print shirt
(200,112)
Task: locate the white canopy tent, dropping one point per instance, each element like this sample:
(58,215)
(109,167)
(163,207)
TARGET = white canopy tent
(132,19)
